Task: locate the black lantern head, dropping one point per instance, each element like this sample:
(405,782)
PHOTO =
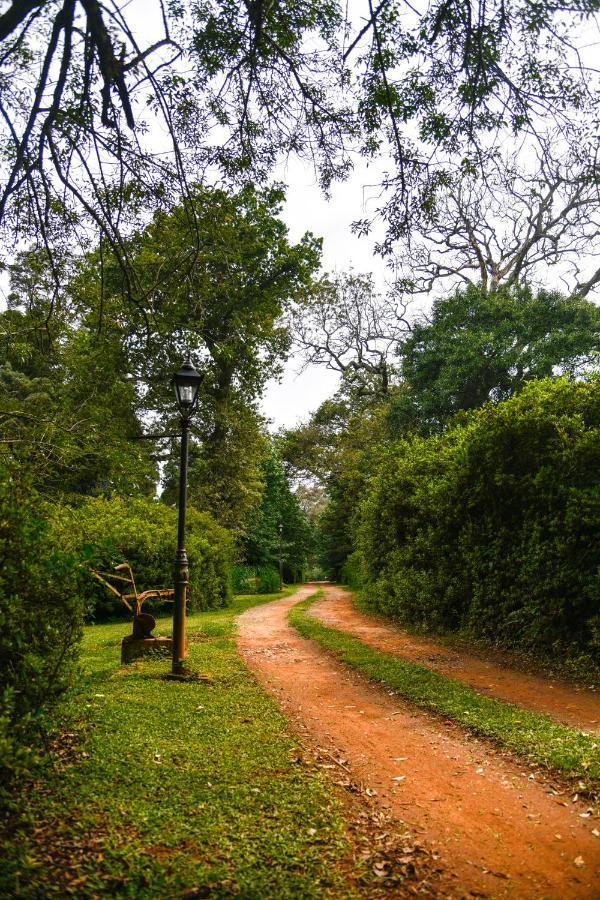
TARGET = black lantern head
(186,384)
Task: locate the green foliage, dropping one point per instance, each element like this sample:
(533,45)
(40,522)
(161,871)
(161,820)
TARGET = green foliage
(493,526)
(536,736)
(352,429)
(263,82)
(479,346)
(105,532)
(227,274)
(40,627)
(254,579)
(351,573)
(68,410)
(278,529)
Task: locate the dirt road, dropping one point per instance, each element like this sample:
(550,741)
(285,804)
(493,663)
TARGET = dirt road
(579,707)
(496,831)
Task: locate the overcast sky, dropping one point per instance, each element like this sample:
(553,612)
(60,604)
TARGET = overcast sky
(298,394)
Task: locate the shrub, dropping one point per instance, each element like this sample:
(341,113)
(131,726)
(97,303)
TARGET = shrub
(104,532)
(254,579)
(352,571)
(40,628)
(494,526)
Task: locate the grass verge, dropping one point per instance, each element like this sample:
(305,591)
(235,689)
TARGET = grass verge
(579,668)
(167,789)
(533,735)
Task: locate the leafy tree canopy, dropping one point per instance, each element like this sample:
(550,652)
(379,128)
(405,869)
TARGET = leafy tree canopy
(480,346)
(111,109)
(68,410)
(101,366)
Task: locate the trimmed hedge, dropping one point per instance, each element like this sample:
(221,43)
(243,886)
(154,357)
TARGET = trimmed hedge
(40,628)
(104,532)
(494,526)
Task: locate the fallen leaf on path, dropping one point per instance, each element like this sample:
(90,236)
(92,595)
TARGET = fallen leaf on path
(380,869)
(399,778)
(579,862)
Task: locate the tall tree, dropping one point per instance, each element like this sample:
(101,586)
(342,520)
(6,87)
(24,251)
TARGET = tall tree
(278,529)
(525,221)
(223,301)
(347,326)
(479,346)
(68,411)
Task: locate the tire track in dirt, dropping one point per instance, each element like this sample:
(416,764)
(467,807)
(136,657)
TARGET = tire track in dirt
(496,830)
(578,707)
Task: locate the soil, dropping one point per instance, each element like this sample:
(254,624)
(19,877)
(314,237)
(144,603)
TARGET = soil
(570,704)
(491,827)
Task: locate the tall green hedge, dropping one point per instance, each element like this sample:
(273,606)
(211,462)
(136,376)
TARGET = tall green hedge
(40,627)
(104,532)
(495,525)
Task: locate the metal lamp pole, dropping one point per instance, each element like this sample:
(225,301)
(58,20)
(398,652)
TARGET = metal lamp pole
(186,383)
(280,527)
(182,572)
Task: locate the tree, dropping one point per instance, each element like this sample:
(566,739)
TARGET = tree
(479,346)
(349,328)
(331,456)
(40,627)
(236,86)
(223,302)
(278,529)
(68,410)
(519,223)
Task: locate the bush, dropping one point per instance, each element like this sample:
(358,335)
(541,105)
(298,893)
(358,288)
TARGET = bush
(40,628)
(494,526)
(254,579)
(104,532)
(352,571)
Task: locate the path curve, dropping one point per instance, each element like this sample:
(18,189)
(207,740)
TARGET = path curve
(496,830)
(575,706)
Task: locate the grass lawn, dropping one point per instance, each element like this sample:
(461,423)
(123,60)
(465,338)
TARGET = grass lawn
(166,789)
(533,735)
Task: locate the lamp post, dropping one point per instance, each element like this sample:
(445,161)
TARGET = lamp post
(280,528)
(186,384)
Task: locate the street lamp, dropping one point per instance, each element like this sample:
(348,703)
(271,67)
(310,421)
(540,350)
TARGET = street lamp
(186,384)
(280,527)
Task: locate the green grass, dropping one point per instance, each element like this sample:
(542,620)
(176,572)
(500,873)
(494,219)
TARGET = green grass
(535,736)
(566,663)
(175,787)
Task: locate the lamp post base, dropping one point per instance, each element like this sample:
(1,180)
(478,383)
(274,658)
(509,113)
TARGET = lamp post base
(133,648)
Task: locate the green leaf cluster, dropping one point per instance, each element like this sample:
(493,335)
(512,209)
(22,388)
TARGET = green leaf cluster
(278,530)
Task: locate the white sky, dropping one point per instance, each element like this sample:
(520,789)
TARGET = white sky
(298,394)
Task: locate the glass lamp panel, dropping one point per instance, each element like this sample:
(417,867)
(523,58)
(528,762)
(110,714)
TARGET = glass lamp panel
(186,394)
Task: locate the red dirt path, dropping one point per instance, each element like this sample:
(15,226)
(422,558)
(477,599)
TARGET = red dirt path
(496,830)
(576,706)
